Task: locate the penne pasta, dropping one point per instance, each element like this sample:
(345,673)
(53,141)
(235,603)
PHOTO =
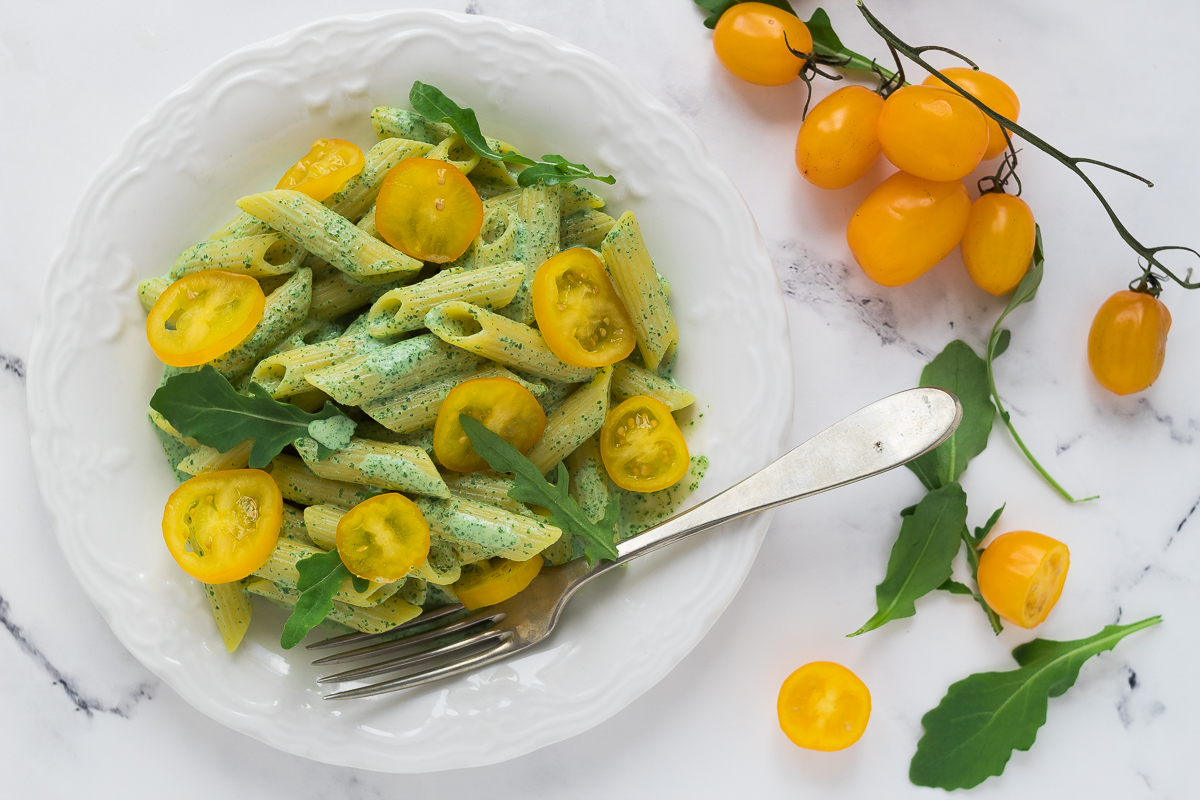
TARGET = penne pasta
(630,380)
(231,609)
(575,421)
(281,570)
(491,336)
(285,310)
(453,150)
(585,228)
(418,408)
(374,619)
(485,486)
(259,256)
(207,459)
(477,531)
(301,485)
(633,276)
(150,290)
(331,237)
(590,489)
(393,369)
(402,310)
(242,225)
(404,124)
(283,374)
(539,209)
(358,194)
(292,526)
(382,464)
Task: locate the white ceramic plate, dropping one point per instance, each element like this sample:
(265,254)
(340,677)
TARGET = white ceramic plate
(232,131)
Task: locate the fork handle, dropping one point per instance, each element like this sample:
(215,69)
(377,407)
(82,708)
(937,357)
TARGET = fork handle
(885,434)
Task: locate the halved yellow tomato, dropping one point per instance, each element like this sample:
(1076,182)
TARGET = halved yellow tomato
(326,168)
(1021,575)
(504,407)
(203,315)
(823,706)
(428,209)
(578,311)
(383,537)
(491,582)
(642,448)
(221,526)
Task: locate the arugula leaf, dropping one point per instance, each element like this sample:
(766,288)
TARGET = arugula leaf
(957,369)
(531,487)
(954,587)
(321,575)
(973,542)
(921,557)
(718,7)
(973,731)
(206,407)
(998,342)
(432,103)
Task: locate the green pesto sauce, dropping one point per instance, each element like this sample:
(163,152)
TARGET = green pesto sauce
(640,511)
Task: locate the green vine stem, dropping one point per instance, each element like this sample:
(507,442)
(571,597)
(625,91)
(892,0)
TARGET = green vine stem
(1148,255)
(998,342)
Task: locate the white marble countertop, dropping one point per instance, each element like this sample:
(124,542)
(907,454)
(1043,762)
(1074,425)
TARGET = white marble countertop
(82,718)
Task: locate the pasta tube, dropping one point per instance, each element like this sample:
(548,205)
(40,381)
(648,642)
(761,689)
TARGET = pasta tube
(585,229)
(242,225)
(383,464)
(630,380)
(390,370)
(418,408)
(301,485)
(633,276)
(330,236)
(404,309)
(283,374)
(149,291)
(280,569)
(589,487)
(257,256)
(285,309)
(453,150)
(539,209)
(231,609)
(479,531)
(374,619)
(208,459)
(358,194)
(573,423)
(502,340)
(404,124)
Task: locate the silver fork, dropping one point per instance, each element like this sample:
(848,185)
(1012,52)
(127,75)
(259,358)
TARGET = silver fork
(881,436)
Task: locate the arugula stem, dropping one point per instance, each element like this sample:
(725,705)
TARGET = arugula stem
(973,561)
(1004,415)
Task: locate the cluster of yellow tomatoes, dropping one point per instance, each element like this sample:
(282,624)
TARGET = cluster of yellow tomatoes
(916,217)
(908,224)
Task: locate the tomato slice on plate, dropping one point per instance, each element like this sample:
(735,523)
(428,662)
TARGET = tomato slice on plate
(642,448)
(494,581)
(504,407)
(578,311)
(202,316)
(221,526)
(326,168)
(428,209)
(383,537)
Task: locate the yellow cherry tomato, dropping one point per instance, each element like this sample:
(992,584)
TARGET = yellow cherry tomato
(326,168)
(383,537)
(221,526)
(578,311)
(906,226)
(932,133)
(823,706)
(203,315)
(1128,341)
(838,141)
(428,209)
(642,448)
(992,92)
(997,246)
(1021,575)
(752,39)
(504,407)
(488,583)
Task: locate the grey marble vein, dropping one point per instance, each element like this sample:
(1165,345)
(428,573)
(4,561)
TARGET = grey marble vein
(13,366)
(83,702)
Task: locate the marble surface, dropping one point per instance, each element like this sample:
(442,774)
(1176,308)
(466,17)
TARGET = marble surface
(82,717)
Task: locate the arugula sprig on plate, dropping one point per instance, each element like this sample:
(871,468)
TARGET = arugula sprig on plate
(321,575)
(432,103)
(531,487)
(206,407)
